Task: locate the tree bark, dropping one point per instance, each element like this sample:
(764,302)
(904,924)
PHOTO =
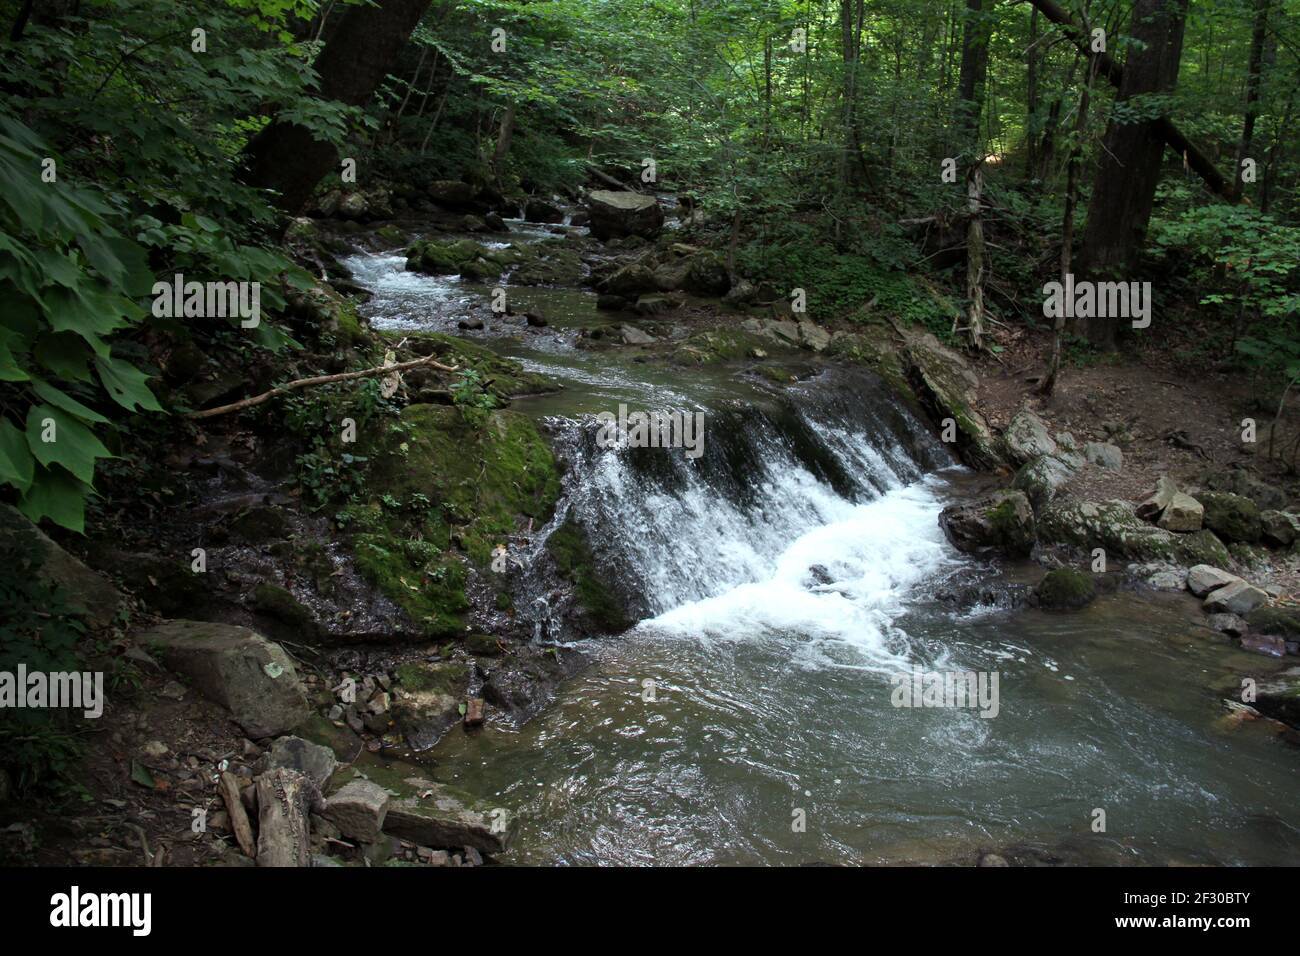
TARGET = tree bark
(1108,67)
(1258,34)
(288,158)
(1125,186)
(284,799)
(970,83)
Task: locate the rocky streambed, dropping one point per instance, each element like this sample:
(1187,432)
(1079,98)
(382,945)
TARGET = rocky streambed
(505,642)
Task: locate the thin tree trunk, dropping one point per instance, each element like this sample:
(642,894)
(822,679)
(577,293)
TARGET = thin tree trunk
(1258,34)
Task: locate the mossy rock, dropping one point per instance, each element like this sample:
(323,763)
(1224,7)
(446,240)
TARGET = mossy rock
(1065,589)
(259,524)
(486,476)
(504,378)
(432,593)
(482,645)
(551,263)
(278,603)
(1232,517)
(1279,621)
(573,559)
(428,700)
(443,258)
(1202,547)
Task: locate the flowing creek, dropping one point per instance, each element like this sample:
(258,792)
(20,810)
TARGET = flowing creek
(782,580)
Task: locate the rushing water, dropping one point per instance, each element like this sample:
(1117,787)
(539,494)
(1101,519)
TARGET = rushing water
(783,580)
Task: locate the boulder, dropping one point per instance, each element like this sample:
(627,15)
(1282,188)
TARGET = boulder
(1003,522)
(1229,624)
(1104,455)
(1236,597)
(1281,621)
(634,336)
(294,753)
(1026,438)
(1279,528)
(1042,478)
(1111,525)
(813,336)
(1232,517)
(612,215)
(539,210)
(26,549)
(707,275)
(451,193)
(1203,579)
(359,809)
(1152,508)
(1183,513)
(427,700)
(630,281)
(241,670)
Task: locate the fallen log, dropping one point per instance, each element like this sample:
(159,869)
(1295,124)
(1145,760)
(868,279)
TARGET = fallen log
(284,799)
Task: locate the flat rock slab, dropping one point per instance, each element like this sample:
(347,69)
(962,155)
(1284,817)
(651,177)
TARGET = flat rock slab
(444,821)
(1204,578)
(1237,598)
(237,668)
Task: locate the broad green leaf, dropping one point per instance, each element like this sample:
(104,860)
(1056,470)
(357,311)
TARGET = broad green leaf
(71,444)
(127,384)
(66,402)
(16,462)
(56,495)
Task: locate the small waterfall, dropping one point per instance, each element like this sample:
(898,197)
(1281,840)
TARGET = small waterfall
(814,495)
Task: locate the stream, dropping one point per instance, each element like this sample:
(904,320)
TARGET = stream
(782,581)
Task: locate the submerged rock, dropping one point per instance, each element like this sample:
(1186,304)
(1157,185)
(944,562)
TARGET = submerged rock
(1066,589)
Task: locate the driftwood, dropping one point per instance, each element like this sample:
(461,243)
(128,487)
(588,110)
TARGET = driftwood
(243,830)
(426,362)
(1172,136)
(284,799)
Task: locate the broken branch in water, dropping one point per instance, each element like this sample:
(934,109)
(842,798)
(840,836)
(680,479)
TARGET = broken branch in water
(427,361)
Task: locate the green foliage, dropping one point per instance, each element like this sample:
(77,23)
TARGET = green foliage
(39,628)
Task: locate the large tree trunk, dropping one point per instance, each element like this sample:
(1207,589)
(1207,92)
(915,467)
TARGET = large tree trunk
(1173,137)
(970,83)
(1258,34)
(362,48)
(1125,186)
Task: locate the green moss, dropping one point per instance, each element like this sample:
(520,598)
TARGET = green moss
(485,477)
(1066,589)
(504,377)
(444,677)
(1231,516)
(432,593)
(278,603)
(1281,621)
(443,258)
(573,558)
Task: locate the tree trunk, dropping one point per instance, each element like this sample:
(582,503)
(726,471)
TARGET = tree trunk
(1067,218)
(1125,187)
(1257,37)
(503,140)
(970,83)
(975,256)
(1172,136)
(288,158)
(1031,100)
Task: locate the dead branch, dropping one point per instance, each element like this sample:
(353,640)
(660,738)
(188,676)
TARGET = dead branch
(426,362)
